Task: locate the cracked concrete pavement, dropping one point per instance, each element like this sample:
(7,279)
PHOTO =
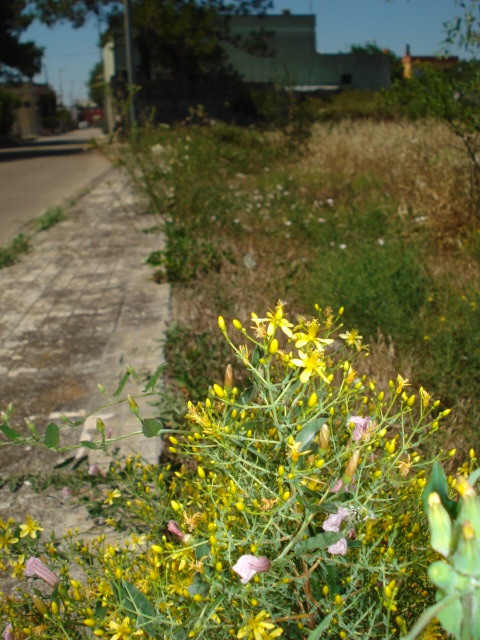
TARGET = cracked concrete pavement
(73,312)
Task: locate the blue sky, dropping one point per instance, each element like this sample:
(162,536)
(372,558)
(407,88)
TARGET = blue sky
(70,54)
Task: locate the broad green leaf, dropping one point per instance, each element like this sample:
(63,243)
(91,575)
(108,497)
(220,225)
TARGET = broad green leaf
(438,482)
(10,433)
(153,380)
(308,433)
(320,541)
(451,617)
(52,436)
(136,604)
(121,385)
(151,427)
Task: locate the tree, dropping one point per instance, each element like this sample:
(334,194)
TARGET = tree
(96,85)
(77,11)
(396,67)
(181,37)
(17,57)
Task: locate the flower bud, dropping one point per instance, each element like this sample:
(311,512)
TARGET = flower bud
(247,566)
(312,401)
(324,439)
(352,465)
(221,323)
(237,324)
(440,525)
(39,605)
(218,390)
(228,377)
(273,347)
(133,405)
(100,426)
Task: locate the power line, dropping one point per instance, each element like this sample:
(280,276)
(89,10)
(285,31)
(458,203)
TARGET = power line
(73,55)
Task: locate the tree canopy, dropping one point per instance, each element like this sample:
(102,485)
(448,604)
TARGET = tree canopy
(17,57)
(396,67)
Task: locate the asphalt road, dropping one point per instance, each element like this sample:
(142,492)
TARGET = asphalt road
(44,173)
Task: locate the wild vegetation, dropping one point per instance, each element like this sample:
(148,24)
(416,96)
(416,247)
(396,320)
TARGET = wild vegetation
(319,475)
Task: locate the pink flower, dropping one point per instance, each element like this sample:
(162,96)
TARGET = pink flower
(8,632)
(362,427)
(93,470)
(67,492)
(175,529)
(337,486)
(339,548)
(334,520)
(35,568)
(248,566)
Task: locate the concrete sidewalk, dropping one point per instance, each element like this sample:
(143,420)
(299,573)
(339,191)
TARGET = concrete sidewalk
(73,312)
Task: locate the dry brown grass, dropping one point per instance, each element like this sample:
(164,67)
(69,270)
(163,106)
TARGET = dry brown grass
(421,166)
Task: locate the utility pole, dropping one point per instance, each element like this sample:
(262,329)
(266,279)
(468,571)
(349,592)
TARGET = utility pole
(127,5)
(60,85)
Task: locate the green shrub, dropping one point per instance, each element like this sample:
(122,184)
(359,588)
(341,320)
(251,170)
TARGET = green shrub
(295,511)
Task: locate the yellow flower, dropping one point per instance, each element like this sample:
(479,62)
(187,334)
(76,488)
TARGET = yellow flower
(137,540)
(425,396)
(260,628)
(6,539)
(312,363)
(401,383)
(311,336)
(123,630)
(111,495)
(275,319)
(30,528)
(352,339)
(18,567)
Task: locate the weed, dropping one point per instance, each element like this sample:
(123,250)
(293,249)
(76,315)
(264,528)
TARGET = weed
(12,252)
(50,218)
(371,217)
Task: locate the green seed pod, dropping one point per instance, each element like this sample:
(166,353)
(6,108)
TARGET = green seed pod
(440,525)
(466,558)
(444,576)
(470,506)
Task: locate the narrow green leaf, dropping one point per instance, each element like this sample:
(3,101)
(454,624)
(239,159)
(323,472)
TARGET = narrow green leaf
(151,427)
(154,379)
(121,385)
(52,436)
(317,633)
(474,476)
(88,444)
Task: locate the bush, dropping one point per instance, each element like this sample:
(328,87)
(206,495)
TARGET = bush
(295,508)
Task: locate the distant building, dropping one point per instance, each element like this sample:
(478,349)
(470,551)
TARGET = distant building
(291,61)
(413,63)
(36,109)
(295,60)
